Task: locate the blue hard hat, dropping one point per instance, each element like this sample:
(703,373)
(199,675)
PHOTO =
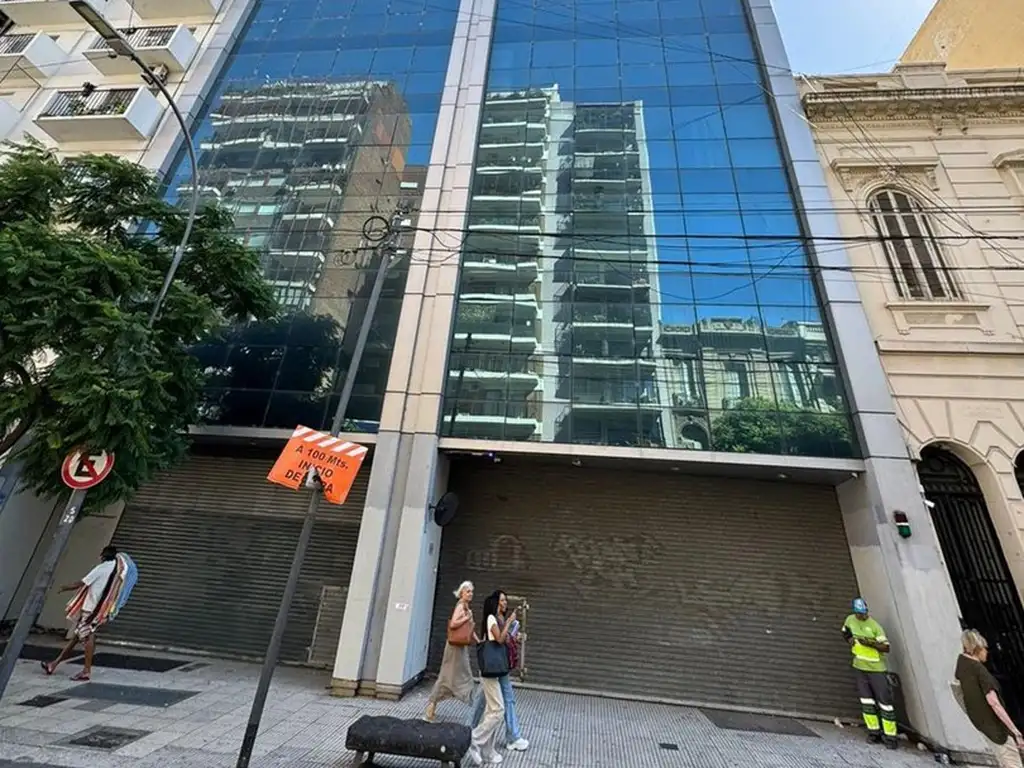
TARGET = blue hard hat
(859,606)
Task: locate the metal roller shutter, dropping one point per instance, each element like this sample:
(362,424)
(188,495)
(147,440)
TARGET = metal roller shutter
(214,541)
(709,590)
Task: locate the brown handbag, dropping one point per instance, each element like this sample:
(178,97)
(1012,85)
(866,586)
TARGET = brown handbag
(462,635)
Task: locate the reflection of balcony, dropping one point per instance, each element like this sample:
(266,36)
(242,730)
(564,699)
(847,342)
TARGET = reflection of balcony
(613,315)
(591,203)
(104,115)
(612,279)
(524,302)
(294,266)
(496,130)
(176,9)
(517,268)
(493,371)
(616,398)
(525,224)
(29,56)
(490,201)
(171,46)
(493,418)
(589,177)
(483,330)
(683,400)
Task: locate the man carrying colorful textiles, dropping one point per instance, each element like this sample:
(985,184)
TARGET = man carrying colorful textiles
(98,598)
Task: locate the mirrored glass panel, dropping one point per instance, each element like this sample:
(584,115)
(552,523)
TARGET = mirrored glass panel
(633,268)
(323,119)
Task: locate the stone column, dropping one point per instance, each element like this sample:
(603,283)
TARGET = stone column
(383,643)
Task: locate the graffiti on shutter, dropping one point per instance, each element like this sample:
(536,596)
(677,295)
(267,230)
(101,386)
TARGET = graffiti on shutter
(606,560)
(505,553)
(329,616)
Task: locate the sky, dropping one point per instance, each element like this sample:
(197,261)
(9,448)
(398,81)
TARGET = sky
(834,36)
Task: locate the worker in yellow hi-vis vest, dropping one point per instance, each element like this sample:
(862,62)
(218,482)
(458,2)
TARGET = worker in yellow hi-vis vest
(869,645)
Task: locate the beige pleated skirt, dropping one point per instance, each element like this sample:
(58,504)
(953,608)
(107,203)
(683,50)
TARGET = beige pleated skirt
(455,680)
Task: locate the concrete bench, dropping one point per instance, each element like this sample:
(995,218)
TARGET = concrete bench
(446,742)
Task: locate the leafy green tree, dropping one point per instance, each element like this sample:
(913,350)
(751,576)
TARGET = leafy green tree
(759,425)
(272,374)
(84,247)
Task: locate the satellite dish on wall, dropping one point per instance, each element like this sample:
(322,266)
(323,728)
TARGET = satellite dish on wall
(445,509)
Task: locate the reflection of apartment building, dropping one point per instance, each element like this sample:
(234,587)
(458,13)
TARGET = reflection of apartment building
(717,364)
(495,385)
(302,166)
(555,330)
(604,286)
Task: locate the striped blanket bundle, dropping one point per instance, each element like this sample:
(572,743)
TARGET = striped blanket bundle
(122,582)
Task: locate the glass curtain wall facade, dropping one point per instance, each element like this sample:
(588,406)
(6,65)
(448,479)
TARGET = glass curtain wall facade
(323,118)
(634,271)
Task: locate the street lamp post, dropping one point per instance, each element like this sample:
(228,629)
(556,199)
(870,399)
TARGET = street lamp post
(121,47)
(34,601)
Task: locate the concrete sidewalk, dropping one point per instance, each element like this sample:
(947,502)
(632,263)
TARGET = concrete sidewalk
(194,717)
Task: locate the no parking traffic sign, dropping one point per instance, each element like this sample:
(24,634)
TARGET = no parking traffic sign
(82,470)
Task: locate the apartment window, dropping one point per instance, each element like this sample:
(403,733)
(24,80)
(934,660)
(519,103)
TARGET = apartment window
(915,260)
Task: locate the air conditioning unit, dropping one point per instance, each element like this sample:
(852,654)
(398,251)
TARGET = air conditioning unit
(161,72)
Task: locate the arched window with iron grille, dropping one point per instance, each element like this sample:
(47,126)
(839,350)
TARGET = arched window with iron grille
(915,260)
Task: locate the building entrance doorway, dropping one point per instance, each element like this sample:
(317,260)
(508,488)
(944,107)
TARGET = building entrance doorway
(988,597)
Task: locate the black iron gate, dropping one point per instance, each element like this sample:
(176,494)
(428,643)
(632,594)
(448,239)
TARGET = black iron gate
(988,597)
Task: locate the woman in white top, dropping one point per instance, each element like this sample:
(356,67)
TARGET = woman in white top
(485,735)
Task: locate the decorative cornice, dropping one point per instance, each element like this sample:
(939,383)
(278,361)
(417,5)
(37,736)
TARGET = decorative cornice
(856,172)
(939,106)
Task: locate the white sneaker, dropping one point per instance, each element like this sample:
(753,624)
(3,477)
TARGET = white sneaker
(519,745)
(473,756)
(494,759)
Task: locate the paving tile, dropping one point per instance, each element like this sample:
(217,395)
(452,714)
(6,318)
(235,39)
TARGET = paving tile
(138,695)
(303,727)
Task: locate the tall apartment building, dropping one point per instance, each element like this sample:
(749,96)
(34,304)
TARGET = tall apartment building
(625,336)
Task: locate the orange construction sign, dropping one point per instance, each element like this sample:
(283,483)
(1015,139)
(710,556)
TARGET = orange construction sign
(335,460)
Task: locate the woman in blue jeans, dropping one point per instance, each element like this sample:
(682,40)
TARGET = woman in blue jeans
(497,603)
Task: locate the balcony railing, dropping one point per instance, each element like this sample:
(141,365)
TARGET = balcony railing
(145,37)
(14,44)
(74,104)
(29,56)
(104,115)
(171,46)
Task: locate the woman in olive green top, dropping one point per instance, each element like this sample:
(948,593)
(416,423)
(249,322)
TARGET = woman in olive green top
(979,694)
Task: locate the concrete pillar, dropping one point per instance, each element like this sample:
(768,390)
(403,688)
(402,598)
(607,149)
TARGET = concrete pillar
(904,581)
(383,640)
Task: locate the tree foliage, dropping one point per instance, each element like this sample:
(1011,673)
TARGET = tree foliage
(278,373)
(759,425)
(84,247)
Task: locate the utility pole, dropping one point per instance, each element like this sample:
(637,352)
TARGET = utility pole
(386,239)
